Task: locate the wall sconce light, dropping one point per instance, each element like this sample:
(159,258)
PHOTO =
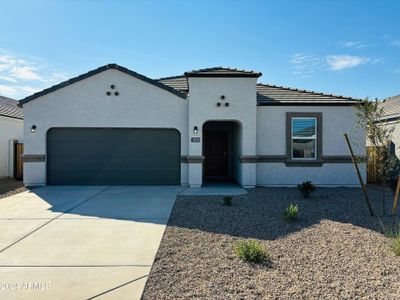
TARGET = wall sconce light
(195,130)
(33,129)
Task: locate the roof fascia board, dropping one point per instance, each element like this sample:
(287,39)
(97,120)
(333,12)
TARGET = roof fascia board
(97,71)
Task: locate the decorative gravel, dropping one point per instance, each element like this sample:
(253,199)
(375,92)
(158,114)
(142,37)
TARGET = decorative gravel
(334,251)
(9,186)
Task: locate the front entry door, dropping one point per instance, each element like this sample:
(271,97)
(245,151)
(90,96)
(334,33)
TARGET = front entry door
(216,152)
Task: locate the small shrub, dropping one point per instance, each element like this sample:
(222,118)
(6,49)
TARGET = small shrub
(391,234)
(306,188)
(228,200)
(396,245)
(251,251)
(291,212)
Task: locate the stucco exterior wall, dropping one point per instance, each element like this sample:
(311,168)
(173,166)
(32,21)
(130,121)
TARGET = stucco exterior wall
(240,93)
(271,140)
(85,104)
(260,130)
(10,129)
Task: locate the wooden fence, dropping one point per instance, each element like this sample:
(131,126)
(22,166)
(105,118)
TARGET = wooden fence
(372,170)
(18,165)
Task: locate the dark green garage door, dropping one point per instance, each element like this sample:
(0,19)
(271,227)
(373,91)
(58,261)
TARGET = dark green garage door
(113,156)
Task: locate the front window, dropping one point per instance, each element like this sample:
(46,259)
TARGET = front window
(304,138)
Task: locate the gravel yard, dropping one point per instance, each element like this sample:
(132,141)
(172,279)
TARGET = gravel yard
(334,250)
(9,186)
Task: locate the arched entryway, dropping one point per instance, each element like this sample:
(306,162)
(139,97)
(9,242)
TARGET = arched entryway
(221,151)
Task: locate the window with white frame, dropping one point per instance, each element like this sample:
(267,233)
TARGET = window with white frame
(304,138)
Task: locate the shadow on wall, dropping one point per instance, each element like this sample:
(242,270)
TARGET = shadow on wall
(259,213)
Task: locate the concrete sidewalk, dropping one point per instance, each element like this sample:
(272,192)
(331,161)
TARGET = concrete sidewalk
(81,242)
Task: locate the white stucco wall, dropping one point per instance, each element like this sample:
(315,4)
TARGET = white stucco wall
(262,129)
(240,93)
(271,140)
(85,104)
(10,129)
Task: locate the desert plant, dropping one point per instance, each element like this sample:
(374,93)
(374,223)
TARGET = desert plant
(396,245)
(306,188)
(251,251)
(228,200)
(392,231)
(370,116)
(291,212)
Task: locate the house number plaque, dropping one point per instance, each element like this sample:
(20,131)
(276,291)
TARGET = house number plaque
(195,140)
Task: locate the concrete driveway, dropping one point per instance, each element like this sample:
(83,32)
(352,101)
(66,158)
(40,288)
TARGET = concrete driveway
(81,242)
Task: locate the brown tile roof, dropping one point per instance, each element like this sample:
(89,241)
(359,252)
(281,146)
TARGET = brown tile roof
(10,108)
(268,94)
(176,82)
(222,72)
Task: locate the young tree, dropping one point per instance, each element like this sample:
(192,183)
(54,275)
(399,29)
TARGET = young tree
(379,135)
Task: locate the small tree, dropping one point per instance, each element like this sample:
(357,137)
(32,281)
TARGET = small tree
(379,134)
(369,116)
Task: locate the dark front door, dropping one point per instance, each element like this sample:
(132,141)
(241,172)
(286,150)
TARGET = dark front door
(216,152)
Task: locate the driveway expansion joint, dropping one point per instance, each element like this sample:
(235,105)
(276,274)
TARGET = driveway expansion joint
(51,220)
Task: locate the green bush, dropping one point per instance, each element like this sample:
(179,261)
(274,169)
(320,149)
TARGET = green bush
(390,233)
(251,251)
(396,245)
(291,212)
(228,200)
(306,188)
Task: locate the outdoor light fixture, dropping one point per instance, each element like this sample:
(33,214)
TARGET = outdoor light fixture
(195,130)
(33,129)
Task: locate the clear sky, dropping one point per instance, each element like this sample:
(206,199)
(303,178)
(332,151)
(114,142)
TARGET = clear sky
(343,47)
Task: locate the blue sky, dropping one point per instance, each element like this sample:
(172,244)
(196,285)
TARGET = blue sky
(343,47)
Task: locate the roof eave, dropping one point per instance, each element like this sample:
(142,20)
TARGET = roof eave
(303,103)
(97,71)
(194,74)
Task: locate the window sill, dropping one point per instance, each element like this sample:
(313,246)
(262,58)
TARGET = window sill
(304,163)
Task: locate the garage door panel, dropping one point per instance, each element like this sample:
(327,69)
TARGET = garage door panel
(111,156)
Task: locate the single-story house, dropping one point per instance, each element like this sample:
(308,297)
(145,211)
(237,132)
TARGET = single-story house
(11,131)
(391,116)
(113,126)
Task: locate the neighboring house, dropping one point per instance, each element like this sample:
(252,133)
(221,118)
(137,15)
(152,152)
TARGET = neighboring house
(112,126)
(11,129)
(391,116)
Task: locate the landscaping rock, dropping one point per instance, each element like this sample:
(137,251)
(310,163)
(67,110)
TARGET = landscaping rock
(334,251)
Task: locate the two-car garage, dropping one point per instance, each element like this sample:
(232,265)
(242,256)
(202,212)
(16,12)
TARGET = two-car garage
(113,156)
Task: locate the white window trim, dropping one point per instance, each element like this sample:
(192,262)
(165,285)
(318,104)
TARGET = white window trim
(305,138)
